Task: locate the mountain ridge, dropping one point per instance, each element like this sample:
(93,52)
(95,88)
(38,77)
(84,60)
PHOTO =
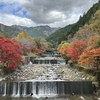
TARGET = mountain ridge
(37,31)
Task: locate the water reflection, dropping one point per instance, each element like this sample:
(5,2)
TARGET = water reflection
(69,97)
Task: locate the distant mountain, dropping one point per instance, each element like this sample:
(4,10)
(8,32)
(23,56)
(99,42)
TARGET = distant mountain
(38,31)
(69,31)
(8,31)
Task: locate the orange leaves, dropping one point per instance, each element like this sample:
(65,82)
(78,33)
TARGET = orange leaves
(93,41)
(76,49)
(73,51)
(90,57)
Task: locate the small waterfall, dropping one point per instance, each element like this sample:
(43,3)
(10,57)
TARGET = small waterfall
(18,90)
(24,89)
(45,88)
(4,89)
(49,62)
(33,88)
(14,89)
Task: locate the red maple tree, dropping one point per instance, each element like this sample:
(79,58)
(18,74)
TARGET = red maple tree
(37,50)
(76,49)
(10,52)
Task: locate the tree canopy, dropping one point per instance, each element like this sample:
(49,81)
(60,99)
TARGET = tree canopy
(10,52)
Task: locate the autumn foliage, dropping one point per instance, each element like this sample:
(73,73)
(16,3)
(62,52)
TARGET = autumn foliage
(10,52)
(72,51)
(93,41)
(37,50)
(31,45)
(62,47)
(83,53)
(90,57)
(76,49)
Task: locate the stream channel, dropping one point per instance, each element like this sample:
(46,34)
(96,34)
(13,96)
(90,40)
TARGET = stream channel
(47,86)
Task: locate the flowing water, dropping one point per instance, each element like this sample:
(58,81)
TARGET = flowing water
(46,87)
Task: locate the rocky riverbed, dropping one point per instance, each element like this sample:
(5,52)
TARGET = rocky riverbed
(66,72)
(27,72)
(46,72)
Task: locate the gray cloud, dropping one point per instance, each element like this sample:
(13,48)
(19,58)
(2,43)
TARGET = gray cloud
(52,12)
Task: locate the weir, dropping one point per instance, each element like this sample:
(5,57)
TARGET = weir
(47,60)
(45,88)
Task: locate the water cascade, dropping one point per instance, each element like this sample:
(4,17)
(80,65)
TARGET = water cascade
(47,60)
(44,88)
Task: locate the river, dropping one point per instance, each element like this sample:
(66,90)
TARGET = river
(51,74)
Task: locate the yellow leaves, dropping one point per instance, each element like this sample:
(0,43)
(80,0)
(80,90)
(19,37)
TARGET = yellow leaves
(61,48)
(64,44)
(23,34)
(95,23)
(97,14)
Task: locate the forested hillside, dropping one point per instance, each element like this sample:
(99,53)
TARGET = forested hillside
(69,33)
(8,31)
(89,29)
(60,34)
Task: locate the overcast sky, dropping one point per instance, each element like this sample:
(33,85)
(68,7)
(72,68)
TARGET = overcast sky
(55,13)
